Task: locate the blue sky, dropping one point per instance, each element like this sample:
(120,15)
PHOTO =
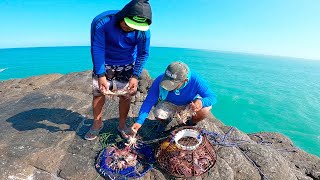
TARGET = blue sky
(276,27)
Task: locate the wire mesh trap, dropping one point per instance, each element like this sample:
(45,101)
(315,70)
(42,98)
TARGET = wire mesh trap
(186,153)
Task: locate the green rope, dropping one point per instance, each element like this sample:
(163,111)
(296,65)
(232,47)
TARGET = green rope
(97,177)
(151,130)
(104,139)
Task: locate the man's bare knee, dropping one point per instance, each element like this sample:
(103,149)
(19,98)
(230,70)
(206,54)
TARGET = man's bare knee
(98,100)
(202,114)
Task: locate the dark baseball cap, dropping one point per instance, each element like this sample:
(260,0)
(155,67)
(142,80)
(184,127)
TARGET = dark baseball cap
(175,74)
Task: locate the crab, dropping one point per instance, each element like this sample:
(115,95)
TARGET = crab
(183,116)
(115,91)
(120,92)
(132,141)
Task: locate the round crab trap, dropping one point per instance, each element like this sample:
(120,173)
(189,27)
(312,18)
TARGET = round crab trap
(186,153)
(125,163)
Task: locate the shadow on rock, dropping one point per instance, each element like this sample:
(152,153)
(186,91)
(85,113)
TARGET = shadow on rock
(53,120)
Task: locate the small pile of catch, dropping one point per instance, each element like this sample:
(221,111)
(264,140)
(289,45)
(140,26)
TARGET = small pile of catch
(119,159)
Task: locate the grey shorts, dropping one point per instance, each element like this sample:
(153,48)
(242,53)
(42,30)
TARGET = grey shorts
(166,110)
(117,78)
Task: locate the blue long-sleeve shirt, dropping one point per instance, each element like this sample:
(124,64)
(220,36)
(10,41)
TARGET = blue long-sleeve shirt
(196,86)
(113,46)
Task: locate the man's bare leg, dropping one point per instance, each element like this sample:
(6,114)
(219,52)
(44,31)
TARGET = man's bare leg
(124,106)
(97,104)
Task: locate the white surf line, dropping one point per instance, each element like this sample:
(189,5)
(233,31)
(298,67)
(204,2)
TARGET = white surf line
(3,69)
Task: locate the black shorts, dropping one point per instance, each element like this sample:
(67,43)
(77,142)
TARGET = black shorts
(120,73)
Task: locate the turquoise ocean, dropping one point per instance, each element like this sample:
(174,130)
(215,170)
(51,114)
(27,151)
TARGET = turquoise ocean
(255,92)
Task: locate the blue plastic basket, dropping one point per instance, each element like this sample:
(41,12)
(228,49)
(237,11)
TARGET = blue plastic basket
(145,163)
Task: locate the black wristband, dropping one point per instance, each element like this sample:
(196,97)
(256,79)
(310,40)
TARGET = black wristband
(100,75)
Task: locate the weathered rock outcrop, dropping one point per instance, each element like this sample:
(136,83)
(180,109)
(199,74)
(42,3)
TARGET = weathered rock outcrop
(43,120)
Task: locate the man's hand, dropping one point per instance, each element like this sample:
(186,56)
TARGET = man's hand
(196,105)
(133,85)
(135,127)
(103,84)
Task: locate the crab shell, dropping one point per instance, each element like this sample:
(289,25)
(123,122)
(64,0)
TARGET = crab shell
(121,164)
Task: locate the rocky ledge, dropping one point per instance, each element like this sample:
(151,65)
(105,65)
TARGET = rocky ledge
(44,118)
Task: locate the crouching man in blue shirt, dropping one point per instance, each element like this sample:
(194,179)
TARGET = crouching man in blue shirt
(175,90)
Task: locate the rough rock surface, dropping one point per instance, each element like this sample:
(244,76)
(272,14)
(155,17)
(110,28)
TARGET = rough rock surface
(44,118)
